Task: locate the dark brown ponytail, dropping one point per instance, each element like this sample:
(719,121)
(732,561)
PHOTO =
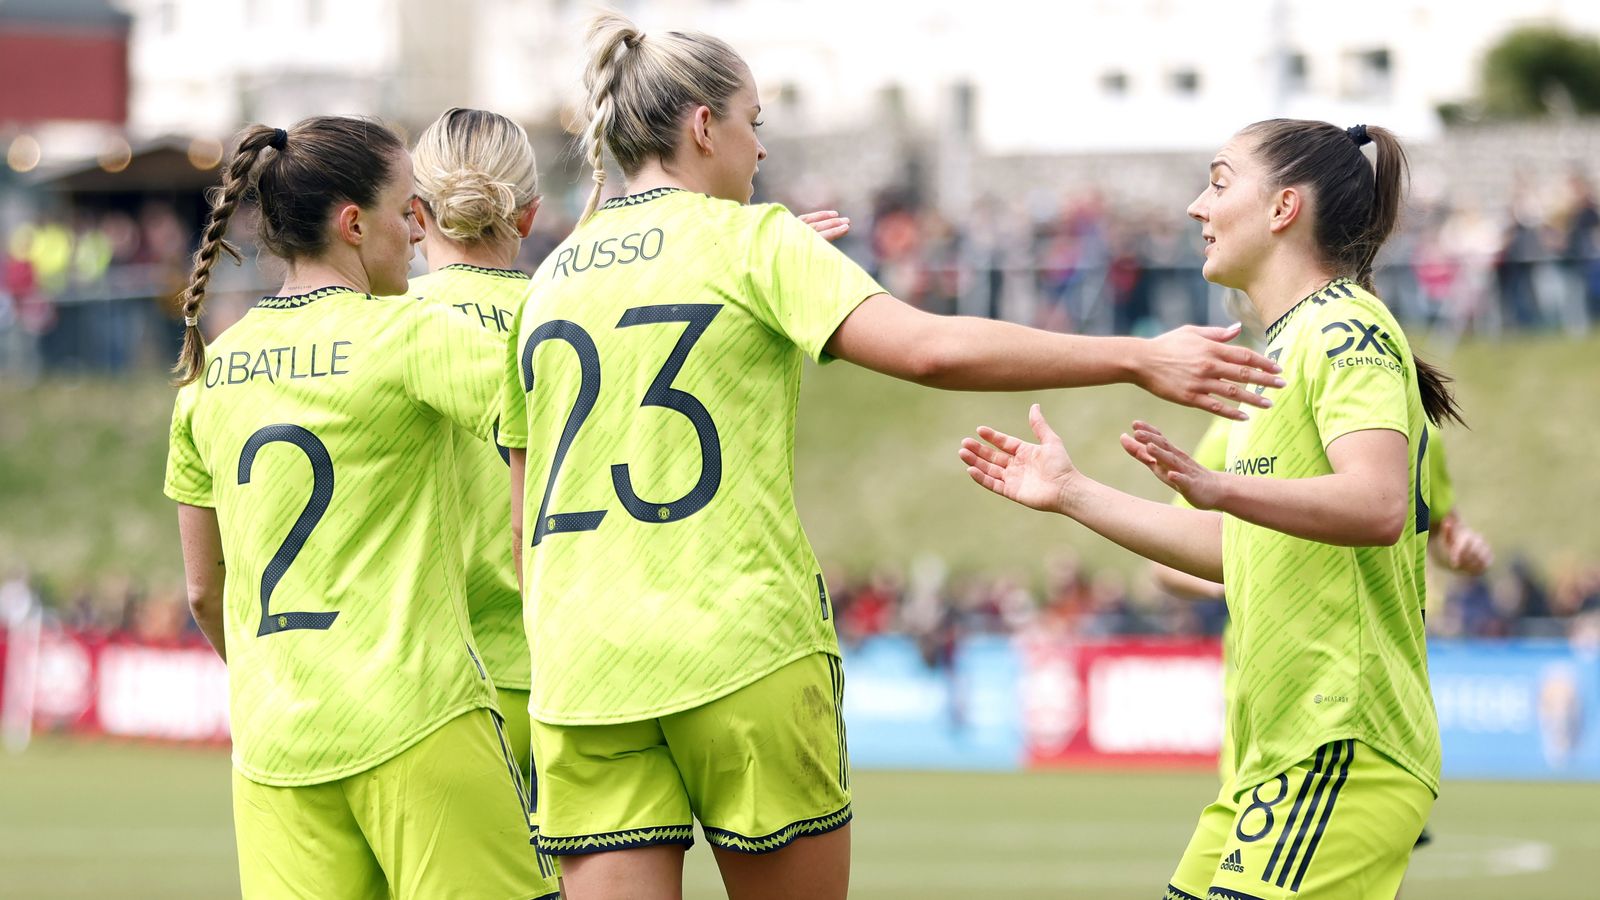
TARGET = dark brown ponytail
(321,161)
(225,200)
(1355,208)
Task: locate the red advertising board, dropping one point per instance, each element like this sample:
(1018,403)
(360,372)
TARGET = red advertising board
(122,688)
(1127,702)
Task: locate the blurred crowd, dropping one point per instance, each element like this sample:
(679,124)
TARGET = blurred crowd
(938,608)
(1073,261)
(95,289)
(1075,603)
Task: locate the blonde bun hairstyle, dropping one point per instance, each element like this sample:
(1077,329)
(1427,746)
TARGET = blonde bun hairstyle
(476,173)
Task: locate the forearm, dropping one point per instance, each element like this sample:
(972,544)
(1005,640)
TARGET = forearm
(207,612)
(971,354)
(205,571)
(1188,540)
(1346,510)
(518,459)
(1183,585)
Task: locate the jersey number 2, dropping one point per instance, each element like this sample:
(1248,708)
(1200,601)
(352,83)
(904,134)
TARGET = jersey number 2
(661,393)
(321,494)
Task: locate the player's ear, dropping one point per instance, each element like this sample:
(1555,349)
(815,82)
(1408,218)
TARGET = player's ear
(525,218)
(1286,206)
(348,224)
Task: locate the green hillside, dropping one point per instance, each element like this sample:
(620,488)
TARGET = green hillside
(879,482)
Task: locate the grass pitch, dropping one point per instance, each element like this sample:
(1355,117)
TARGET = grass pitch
(91,820)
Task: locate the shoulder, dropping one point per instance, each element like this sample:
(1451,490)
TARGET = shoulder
(1345,318)
(423,286)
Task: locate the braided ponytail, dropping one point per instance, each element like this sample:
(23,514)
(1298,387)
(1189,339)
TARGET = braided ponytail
(237,181)
(638,93)
(611,36)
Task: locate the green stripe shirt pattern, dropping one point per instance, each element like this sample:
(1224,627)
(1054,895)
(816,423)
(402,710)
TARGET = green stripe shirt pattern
(653,611)
(1328,641)
(488,297)
(381,385)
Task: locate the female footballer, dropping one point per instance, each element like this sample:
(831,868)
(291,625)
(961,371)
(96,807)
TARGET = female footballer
(313,460)
(685,664)
(1317,526)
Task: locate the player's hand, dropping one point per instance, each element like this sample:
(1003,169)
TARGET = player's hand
(1034,475)
(828,223)
(1199,485)
(1196,366)
(1465,550)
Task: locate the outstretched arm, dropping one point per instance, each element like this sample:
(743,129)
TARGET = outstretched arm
(204,571)
(1043,477)
(1192,366)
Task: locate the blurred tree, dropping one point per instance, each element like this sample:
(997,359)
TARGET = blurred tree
(1539,71)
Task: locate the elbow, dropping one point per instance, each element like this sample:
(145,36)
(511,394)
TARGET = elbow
(205,603)
(1385,525)
(932,361)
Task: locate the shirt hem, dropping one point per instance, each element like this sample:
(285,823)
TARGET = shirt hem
(1244,780)
(367,762)
(549,717)
(1374,426)
(822,357)
(190,499)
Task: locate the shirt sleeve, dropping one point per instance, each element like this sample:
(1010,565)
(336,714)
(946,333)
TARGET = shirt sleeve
(801,286)
(188,480)
(453,366)
(1356,376)
(513,399)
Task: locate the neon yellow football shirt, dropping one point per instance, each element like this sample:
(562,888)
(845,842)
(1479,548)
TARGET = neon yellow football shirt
(654,381)
(322,433)
(489,297)
(1328,641)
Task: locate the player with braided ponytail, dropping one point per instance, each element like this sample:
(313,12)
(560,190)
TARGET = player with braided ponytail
(684,658)
(236,182)
(313,458)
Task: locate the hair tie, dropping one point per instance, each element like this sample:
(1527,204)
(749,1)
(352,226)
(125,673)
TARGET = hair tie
(280,139)
(1358,133)
(191,321)
(632,41)
(599,175)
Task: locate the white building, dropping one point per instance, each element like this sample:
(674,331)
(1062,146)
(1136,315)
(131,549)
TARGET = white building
(1026,77)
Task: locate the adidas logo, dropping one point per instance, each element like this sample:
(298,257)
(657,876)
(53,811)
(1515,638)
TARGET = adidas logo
(1234,862)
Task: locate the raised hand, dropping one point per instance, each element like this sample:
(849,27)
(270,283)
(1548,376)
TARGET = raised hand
(1034,475)
(1196,366)
(828,223)
(1198,484)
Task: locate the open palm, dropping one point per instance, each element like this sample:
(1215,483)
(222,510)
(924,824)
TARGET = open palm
(1034,475)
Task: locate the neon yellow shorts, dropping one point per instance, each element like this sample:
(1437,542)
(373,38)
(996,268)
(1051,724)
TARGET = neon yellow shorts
(759,768)
(514,718)
(1341,824)
(441,819)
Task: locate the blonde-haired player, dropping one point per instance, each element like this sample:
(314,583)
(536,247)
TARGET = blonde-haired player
(685,663)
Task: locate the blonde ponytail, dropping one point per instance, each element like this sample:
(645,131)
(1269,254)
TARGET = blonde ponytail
(639,89)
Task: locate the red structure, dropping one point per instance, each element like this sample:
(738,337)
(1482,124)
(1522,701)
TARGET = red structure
(63,60)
